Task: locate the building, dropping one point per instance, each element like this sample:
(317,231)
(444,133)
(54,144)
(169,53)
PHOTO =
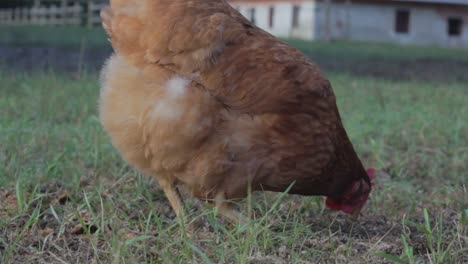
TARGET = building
(8,4)
(422,22)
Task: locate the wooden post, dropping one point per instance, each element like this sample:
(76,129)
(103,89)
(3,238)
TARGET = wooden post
(32,15)
(63,12)
(327,20)
(348,19)
(27,15)
(41,13)
(53,11)
(18,18)
(90,13)
(77,14)
(7,16)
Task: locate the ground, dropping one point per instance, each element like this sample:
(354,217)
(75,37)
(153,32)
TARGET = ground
(67,197)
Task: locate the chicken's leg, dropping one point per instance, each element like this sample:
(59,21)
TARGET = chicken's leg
(226,210)
(174,197)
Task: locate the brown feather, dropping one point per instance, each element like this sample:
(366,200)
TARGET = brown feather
(251,110)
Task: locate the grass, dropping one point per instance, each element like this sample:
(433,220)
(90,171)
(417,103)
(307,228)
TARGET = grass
(95,37)
(374,50)
(66,196)
(52,36)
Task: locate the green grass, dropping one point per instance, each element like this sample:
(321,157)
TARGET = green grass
(67,196)
(379,51)
(95,37)
(52,36)
(52,146)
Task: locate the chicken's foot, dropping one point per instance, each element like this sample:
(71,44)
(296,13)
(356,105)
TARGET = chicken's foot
(227,211)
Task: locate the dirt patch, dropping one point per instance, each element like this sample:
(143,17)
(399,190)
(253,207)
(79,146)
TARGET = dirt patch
(67,230)
(72,60)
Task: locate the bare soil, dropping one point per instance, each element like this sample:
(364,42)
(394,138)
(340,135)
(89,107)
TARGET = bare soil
(71,239)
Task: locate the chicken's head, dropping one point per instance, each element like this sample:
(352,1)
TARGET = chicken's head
(354,198)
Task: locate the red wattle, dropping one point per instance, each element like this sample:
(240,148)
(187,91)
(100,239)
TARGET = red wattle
(371,173)
(332,204)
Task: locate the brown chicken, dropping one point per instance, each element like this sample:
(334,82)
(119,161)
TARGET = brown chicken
(197,96)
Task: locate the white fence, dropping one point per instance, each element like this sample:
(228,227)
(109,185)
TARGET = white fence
(93,16)
(75,14)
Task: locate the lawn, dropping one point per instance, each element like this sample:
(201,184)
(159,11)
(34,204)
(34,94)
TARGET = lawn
(73,36)
(26,47)
(67,197)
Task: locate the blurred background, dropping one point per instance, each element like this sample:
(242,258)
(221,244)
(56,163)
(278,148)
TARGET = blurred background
(399,69)
(356,36)
(426,22)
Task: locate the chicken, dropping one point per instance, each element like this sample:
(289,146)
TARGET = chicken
(197,96)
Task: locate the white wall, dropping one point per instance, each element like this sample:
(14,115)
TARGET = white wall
(428,25)
(283,17)
(363,22)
